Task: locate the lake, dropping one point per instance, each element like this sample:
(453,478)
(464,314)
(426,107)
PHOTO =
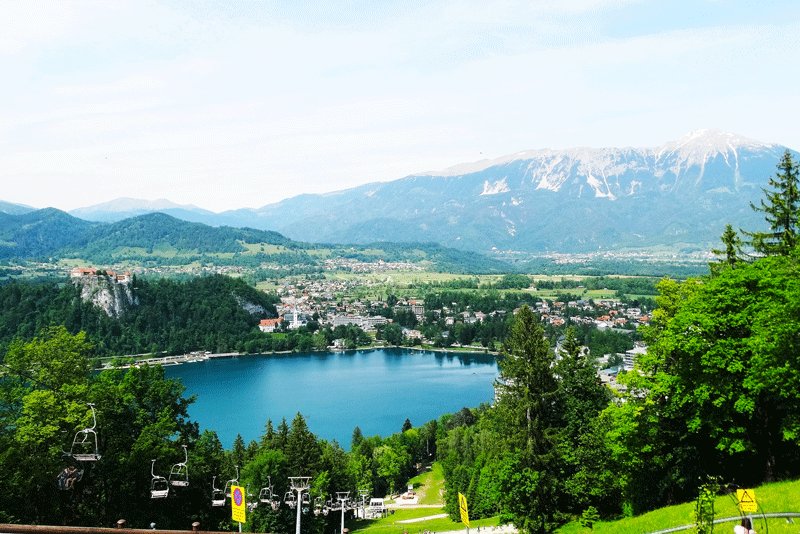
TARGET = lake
(373,389)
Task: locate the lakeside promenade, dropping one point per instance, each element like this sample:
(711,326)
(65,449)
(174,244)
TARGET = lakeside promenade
(201,356)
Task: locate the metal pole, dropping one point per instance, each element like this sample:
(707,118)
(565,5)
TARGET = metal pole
(299,509)
(342,497)
(299,484)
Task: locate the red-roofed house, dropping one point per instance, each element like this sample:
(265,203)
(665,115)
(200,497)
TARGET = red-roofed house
(269,325)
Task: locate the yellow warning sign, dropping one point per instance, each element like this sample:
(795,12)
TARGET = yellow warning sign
(462,506)
(747,500)
(238,504)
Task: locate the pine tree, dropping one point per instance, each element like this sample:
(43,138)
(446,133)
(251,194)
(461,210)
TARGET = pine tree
(303,452)
(526,416)
(780,209)
(406,425)
(268,438)
(731,254)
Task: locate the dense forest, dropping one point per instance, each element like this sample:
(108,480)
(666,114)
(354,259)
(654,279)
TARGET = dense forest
(204,313)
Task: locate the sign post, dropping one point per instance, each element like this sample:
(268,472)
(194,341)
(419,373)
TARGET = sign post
(462,507)
(747,500)
(238,505)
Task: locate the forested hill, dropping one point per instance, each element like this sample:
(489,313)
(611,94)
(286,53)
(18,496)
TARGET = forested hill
(213,312)
(41,233)
(159,239)
(154,230)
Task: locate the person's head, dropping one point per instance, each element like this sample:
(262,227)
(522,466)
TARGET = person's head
(746,523)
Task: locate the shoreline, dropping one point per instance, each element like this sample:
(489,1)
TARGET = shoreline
(202,356)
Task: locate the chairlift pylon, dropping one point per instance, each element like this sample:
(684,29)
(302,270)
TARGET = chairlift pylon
(179,474)
(159,487)
(84,445)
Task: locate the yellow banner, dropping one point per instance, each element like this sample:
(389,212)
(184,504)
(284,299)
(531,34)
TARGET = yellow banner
(462,506)
(747,500)
(238,504)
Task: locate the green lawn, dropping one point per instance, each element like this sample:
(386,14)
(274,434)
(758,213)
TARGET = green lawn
(776,497)
(429,485)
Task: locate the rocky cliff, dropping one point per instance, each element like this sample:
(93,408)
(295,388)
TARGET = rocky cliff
(112,295)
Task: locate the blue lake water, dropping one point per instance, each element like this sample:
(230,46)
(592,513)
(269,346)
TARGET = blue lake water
(373,389)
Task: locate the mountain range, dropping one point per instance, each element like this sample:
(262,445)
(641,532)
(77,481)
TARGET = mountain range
(157,239)
(572,200)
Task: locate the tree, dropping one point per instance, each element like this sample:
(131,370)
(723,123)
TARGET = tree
(406,425)
(716,393)
(357,438)
(730,255)
(527,415)
(582,396)
(393,333)
(140,416)
(780,209)
(303,452)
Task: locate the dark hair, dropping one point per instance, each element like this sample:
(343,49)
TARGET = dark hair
(746,523)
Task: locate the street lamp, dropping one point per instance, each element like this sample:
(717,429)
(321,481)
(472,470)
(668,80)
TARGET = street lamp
(299,485)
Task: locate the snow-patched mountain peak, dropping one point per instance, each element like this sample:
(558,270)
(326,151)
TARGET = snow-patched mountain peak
(693,148)
(700,144)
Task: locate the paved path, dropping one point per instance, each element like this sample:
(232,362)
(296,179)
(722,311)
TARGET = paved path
(502,529)
(426,518)
(395,506)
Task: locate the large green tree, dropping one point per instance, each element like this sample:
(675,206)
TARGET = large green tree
(780,208)
(717,391)
(527,417)
(140,416)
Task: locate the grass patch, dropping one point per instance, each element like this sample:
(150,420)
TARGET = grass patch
(429,485)
(262,248)
(775,497)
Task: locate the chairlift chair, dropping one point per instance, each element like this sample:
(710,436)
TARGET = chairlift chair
(252,503)
(228,487)
(290,499)
(159,487)
(84,445)
(69,476)
(266,495)
(179,474)
(319,506)
(217,495)
(306,498)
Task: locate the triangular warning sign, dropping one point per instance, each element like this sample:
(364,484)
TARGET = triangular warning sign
(747,500)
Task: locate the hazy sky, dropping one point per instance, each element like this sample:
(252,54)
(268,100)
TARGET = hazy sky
(232,104)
